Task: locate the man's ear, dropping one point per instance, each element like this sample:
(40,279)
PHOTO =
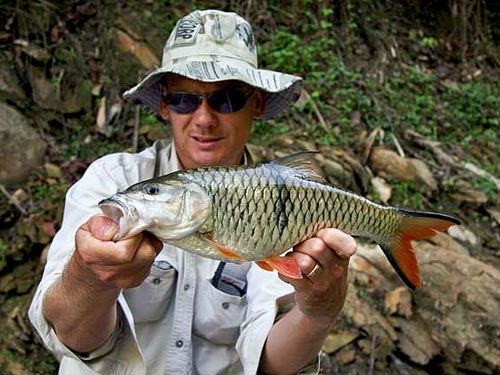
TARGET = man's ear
(260,104)
(163,110)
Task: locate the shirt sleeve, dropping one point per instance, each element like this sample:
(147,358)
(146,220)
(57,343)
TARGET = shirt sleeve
(269,299)
(102,179)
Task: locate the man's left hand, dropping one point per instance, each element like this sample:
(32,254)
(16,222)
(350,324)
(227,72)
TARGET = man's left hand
(324,261)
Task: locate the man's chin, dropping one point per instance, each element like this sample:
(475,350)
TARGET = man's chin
(214,158)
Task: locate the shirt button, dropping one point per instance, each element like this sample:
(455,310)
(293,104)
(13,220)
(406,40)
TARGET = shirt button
(156,280)
(186,287)
(225,305)
(179,343)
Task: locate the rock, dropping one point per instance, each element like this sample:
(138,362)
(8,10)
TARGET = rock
(43,93)
(305,145)
(68,98)
(464,235)
(469,195)
(423,174)
(460,300)
(10,87)
(415,340)
(390,166)
(398,302)
(358,176)
(335,173)
(382,188)
(285,140)
(140,50)
(455,311)
(338,340)
(445,241)
(494,212)
(345,357)
(52,170)
(21,146)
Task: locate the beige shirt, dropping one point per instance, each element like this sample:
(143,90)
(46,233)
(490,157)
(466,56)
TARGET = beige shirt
(176,321)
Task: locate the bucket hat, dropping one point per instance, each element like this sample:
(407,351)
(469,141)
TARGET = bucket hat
(213,46)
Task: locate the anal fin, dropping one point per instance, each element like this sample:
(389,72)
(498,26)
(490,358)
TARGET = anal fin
(284,265)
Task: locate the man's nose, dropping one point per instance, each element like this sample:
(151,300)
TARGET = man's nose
(205,115)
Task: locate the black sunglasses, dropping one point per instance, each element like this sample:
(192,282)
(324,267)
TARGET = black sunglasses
(224,101)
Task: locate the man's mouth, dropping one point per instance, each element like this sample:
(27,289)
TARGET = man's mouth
(207,141)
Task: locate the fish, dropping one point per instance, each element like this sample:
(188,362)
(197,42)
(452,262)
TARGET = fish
(259,212)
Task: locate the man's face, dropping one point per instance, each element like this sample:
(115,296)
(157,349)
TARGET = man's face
(208,137)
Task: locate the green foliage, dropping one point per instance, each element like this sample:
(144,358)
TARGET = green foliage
(405,194)
(410,96)
(50,192)
(43,363)
(78,148)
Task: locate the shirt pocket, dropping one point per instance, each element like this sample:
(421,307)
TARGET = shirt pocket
(150,300)
(218,315)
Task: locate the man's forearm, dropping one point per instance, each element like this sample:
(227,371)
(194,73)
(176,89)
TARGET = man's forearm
(293,342)
(82,313)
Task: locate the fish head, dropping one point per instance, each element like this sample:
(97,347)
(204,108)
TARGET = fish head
(169,209)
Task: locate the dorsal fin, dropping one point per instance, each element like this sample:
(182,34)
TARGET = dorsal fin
(301,162)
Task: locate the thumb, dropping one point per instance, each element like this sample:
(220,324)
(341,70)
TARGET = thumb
(102,227)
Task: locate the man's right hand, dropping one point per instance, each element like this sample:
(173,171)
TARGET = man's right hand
(99,259)
(82,305)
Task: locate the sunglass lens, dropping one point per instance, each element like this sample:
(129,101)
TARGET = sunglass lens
(227,101)
(182,103)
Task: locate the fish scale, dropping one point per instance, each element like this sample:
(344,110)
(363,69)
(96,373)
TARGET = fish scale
(271,226)
(256,213)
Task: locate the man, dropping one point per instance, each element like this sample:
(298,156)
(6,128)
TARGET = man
(138,306)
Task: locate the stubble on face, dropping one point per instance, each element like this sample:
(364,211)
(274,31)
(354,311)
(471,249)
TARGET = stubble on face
(207,137)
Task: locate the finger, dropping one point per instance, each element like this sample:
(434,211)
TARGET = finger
(102,227)
(315,270)
(317,249)
(95,251)
(305,261)
(148,249)
(341,243)
(155,242)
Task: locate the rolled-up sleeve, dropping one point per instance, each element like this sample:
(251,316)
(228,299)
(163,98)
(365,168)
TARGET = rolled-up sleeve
(120,353)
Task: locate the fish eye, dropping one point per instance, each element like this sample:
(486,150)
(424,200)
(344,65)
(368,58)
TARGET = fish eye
(151,189)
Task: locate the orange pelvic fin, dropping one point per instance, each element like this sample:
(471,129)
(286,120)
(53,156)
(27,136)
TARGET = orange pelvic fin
(416,225)
(227,253)
(285,265)
(264,265)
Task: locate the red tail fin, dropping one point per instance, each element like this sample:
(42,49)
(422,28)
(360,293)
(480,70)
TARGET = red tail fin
(415,225)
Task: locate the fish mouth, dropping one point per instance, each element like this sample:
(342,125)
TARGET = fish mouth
(119,213)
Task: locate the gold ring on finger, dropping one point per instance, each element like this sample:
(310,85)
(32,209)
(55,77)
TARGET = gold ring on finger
(314,270)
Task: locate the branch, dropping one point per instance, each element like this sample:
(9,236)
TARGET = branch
(12,199)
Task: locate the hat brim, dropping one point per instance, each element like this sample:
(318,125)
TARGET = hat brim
(281,90)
